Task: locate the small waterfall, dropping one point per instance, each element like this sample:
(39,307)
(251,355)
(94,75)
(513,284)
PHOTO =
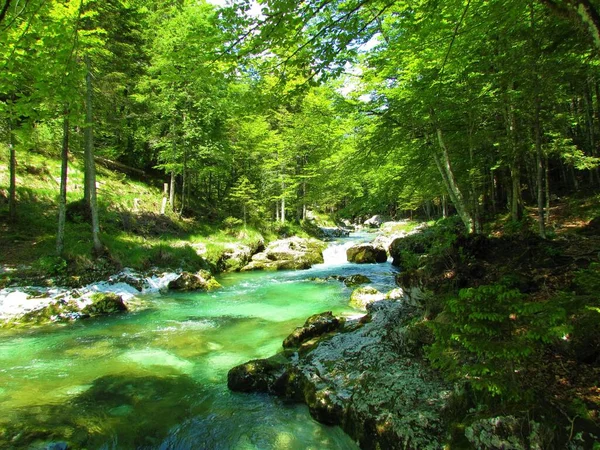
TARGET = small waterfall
(335,254)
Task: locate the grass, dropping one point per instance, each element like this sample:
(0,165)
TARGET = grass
(132,230)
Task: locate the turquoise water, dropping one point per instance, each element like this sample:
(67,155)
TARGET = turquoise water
(157,378)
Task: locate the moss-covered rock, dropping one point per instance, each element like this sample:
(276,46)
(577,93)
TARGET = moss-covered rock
(355,280)
(200,281)
(105,303)
(366,254)
(259,375)
(315,325)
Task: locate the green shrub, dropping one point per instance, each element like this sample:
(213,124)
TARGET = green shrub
(587,281)
(231,223)
(488,335)
(51,265)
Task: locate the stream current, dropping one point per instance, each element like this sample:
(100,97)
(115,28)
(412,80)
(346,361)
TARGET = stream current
(157,378)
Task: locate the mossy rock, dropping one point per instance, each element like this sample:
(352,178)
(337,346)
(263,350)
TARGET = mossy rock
(258,375)
(366,254)
(200,281)
(102,304)
(355,280)
(316,325)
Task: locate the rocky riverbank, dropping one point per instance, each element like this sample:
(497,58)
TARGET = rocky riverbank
(360,374)
(35,305)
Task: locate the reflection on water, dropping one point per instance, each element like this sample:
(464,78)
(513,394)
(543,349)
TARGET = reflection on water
(157,378)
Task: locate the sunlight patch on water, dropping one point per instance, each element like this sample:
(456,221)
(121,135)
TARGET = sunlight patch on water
(156,357)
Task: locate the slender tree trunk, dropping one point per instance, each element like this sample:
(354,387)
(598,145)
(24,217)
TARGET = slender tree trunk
(547,189)
(574,177)
(540,169)
(444,207)
(473,194)
(515,200)
(172,191)
(589,119)
(163,206)
(283,203)
(62,198)
(445,168)
(183,183)
(303,200)
(89,158)
(12,191)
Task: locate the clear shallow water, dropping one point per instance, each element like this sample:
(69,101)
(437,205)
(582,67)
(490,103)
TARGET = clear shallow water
(157,378)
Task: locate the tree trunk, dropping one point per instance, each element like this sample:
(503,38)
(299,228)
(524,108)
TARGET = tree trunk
(12,196)
(62,198)
(303,200)
(515,200)
(183,183)
(163,206)
(445,168)
(89,160)
(540,168)
(444,207)
(172,191)
(547,189)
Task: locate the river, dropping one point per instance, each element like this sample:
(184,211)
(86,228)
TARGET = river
(156,378)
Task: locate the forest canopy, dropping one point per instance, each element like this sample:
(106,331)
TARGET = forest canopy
(265,110)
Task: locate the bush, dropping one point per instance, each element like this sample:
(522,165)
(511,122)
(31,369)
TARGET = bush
(231,223)
(488,335)
(51,265)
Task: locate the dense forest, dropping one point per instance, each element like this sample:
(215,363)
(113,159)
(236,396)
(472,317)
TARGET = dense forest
(157,133)
(262,111)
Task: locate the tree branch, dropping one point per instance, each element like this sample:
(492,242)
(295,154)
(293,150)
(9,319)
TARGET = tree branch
(4,10)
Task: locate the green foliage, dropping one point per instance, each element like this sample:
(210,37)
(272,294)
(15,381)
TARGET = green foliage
(587,281)
(487,335)
(231,223)
(51,265)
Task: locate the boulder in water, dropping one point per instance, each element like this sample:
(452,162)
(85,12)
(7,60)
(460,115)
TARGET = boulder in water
(201,280)
(288,254)
(315,325)
(105,303)
(366,254)
(334,232)
(355,280)
(258,375)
